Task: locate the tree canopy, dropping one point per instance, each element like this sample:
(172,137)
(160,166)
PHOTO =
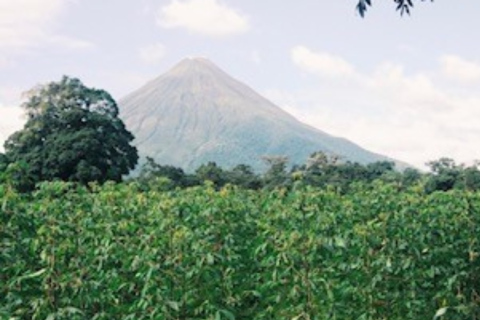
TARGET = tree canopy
(403,6)
(320,170)
(73,133)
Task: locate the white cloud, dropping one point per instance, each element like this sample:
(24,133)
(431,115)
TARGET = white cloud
(205,17)
(25,21)
(390,82)
(410,117)
(459,69)
(321,63)
(152,54)
(24,12)
(29,23)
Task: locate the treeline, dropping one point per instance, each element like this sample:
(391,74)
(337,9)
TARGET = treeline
(320,170)
(73,133)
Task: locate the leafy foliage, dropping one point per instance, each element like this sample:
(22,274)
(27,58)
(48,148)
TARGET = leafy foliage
(115,252)
(73,133)
(446,175)
(276,175)
(3,162)
(211,172)
(244,177)
(152,171)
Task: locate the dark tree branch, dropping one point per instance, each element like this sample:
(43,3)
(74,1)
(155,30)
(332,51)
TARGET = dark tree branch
(403,6)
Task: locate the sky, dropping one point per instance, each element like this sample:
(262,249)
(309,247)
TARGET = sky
(406,87)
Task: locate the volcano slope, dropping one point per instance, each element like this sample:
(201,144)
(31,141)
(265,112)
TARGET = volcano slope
(196,113)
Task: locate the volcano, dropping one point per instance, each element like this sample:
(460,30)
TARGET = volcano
(196,113)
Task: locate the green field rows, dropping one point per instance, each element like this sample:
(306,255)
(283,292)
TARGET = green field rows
(115,252)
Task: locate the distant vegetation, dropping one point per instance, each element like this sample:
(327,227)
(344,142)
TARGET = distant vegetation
(320,171)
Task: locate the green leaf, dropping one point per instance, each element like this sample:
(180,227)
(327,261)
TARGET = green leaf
(210,258)
(31,275)
(71,310)
(174,305)
(228,314)
(440,312)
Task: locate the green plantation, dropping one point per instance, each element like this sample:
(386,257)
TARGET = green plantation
(119,252)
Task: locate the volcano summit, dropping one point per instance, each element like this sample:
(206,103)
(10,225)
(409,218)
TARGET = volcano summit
(197,113)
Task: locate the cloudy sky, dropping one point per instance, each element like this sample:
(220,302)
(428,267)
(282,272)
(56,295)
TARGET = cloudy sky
(405,87)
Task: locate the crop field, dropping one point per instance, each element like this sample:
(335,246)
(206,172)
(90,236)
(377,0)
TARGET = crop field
(117,252)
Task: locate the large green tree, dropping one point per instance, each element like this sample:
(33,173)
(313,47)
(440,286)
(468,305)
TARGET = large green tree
(403,6)
(73,133)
